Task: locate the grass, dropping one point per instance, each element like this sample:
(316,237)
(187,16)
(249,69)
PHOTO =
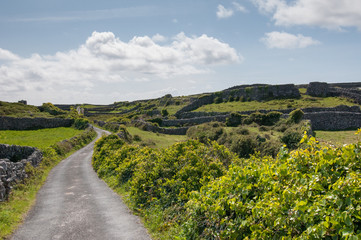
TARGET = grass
(304,102)
(41,138)
(21,110)
(337,138)
(160,140)
(22,197)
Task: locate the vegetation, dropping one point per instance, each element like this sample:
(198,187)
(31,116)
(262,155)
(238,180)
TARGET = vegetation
(304,102)
(337,138)
(155,140)
(41,138)
(21,110)
(23,195)
(51,109)
(196,191)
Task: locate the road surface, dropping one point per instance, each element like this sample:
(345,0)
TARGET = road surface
(75,204)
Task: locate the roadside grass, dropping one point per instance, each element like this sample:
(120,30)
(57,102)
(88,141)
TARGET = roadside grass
(22,197)
(304,102)
(41,138)
(337,138)
(160,140)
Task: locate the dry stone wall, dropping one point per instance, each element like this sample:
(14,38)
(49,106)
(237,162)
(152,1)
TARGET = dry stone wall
(13,160)
(10,123)
(334,120)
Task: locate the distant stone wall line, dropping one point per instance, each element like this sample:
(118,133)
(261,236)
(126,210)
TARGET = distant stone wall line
(11,123)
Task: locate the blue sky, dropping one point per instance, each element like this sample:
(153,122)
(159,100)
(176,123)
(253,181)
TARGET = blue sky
(106,51)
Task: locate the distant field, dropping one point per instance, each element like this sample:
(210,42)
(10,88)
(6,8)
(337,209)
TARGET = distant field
(41,138)
(337,138)
(304,102)
(161,140)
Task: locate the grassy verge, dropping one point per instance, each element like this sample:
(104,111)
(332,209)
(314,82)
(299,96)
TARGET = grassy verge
(21,199)
(304,102)
(160,140)
(41,138)
(337,138)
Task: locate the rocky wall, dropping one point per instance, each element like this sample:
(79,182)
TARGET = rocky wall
(13,160)
(334,120)
(11,123)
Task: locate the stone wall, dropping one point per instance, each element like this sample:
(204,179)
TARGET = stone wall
(321,89)
(152,128)
(10,123)
(334,120)
(194,121)
(253,92)
(13,160)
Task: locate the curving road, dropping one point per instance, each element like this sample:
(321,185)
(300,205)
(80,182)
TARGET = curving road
(75,204)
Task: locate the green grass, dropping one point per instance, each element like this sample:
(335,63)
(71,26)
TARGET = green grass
(337,138)
(22,197)
(21,110)
(304,102)
(160,140)
(41,138)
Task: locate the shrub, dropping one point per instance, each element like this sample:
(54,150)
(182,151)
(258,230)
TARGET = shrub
(50,108)
(234,120)
(244,146)
(296,116)
(158,121)
(218,100)
(165,112)
(291,139)
(81,123)
(206,132)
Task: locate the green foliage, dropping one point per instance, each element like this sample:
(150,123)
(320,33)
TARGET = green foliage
(158,121)
(53,110)
(206,132)
(21,110)
(291,139)
(165,112)
(310,193)
(218,100)
(296,116)
(267,119)
(112,127)
(81,123)
(234,120)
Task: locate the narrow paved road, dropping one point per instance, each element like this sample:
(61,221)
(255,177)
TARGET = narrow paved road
(75,204)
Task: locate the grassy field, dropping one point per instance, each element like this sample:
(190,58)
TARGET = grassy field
(337,138)
(160,140)
(304,102)
(21,110)
(41,138)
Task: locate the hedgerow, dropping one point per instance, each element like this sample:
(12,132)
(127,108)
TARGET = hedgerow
(205,192)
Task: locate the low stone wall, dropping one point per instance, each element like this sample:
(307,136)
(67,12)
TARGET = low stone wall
(11,123)
(334,120)
(194,121)
(13,160)
(152,128)
(253,92)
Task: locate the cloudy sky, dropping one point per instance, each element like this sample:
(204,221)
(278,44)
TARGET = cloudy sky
(115,50)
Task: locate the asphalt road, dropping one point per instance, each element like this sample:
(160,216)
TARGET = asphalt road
(75,204)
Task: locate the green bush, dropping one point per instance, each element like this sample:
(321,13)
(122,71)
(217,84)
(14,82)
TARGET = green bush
(234,120)
(296,116)
(81,123)
(291,139)
(218,100)
(50,108)
(305,194)
(206,132)
(244,145)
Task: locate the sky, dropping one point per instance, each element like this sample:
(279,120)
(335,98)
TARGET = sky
(100,52)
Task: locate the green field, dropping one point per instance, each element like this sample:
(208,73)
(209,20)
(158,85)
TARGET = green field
(41,138)
(160,140)
(304,102)
(337,138)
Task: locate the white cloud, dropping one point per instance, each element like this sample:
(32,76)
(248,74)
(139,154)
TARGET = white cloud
(287,41)
(103,58)
(238,7)
(224,12)
(331,14)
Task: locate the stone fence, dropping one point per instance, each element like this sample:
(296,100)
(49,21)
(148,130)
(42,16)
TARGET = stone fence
(11,123)
(153,128)
(334,120)
(13,160)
